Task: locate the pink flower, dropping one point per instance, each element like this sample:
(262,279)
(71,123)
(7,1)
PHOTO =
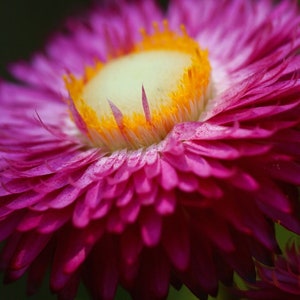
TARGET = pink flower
(191,208)
(279,282)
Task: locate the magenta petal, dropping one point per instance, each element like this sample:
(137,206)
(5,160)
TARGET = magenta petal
(153,170)
(81,214)
(102,281)
(188,182)
(244,181)
(69,291)
(168,178)
(126,197)
(287,171)
(176,241)
(142,183)
(131,246)
(270,195)
(130,212)
(9,250)
(8,227)
(165,203)
(32,241)
(73,248)
(38,269)
(153,279)
(151,225)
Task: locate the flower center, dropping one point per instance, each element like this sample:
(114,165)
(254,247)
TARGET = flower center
(134,100)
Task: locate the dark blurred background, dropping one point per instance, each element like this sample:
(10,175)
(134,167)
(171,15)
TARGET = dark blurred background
(25,25)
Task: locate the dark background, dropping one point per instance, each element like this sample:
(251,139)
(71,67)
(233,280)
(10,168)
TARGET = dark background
(25,25)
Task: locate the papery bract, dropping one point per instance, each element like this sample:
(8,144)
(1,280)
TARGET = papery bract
(191,209)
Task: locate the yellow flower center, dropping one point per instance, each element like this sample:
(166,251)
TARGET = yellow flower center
(134,100)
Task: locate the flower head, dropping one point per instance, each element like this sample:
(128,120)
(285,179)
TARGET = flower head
(173,70)
(133,182)
(281,281)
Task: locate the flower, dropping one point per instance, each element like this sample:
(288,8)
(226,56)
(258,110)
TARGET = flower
(281,281)
(161,200)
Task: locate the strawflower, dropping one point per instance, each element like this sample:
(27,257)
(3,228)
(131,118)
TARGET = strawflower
(145,148)
(281,281)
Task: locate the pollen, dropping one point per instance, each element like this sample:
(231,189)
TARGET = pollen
(134,100)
